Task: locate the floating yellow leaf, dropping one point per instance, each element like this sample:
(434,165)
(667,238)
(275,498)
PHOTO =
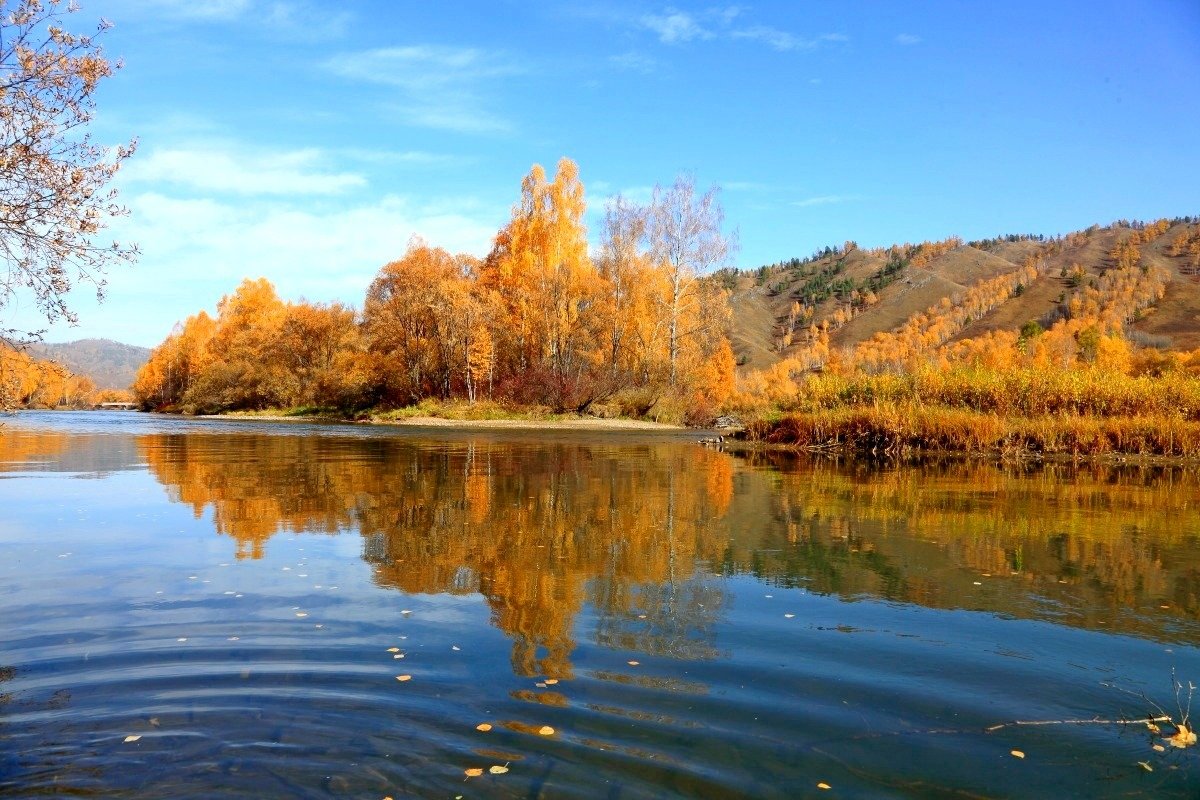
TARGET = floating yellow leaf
(393,649)
(546,730)
(132,738)
(1183,737)
(550,681)
(301,614)
(633,663)
(474,772)
(403,678)
(1145,766)
(823,785)
(1018,753)
(483,726)
(1158,748)
(498,770)
(1153,728)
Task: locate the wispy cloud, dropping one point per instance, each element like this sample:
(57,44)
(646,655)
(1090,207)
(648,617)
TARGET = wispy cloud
(673,26)
(409,158)
(291,19)
(440,87)
(782,40)
(633,62)
(822,200)
(907,39)
(744,186)
(228,170)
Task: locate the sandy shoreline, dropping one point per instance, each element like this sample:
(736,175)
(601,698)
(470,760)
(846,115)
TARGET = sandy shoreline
(582,424)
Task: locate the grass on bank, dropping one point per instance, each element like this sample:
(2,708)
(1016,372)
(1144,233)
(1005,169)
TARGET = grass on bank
(895,429)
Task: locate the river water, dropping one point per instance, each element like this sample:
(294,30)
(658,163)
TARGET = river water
(201,608)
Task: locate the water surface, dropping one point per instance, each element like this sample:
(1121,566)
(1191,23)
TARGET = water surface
(243,596)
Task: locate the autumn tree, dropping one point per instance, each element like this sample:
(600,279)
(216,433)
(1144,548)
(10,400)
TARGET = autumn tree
(687,241)
(408,326)
(55,194)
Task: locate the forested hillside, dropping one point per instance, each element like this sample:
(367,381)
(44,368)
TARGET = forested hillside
(908,299)
(109,364)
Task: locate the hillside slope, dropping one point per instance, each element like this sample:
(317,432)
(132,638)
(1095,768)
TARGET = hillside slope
(854,294)
(110,365)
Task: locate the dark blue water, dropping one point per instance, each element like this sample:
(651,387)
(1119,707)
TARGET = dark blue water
(634,616)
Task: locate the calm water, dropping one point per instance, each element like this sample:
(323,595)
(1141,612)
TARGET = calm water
(243,597)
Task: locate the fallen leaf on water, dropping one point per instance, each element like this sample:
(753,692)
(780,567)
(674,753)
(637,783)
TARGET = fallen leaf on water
(551,681)
(1018,753)
(406,611)
(788,616)
(1158,748)
(403,678)
(474,772)
(483,726)
(1145,766)
(301,614)
(455,647)
(398,655)
(546,730)
(1183,737)
(823,785)
(1153,728)
(498,770)
(633,663)
(184,639)
(540,685)
(393,649)
(132,738)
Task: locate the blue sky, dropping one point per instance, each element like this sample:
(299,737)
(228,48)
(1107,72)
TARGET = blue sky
(307,141)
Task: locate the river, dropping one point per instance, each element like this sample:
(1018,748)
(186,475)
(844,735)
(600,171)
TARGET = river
(208,608)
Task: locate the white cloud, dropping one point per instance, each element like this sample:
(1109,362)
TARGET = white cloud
(822,200)
(235,171)
(292,19)
(440,87)
(674,26)
(907,39)
(196,250)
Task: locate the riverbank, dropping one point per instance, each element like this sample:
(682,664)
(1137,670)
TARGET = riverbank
(888,429)
(562,424)
(459,416)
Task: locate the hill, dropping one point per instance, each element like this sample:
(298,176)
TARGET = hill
(110,365)
(848,295)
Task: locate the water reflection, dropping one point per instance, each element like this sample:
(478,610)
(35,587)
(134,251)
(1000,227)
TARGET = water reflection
(628,581)
(539,531)
(637,532)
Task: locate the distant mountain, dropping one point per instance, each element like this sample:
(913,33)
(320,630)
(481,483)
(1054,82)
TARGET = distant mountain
(111,365)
